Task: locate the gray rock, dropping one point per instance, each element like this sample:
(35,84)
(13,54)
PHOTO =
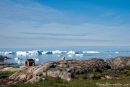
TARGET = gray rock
(34,79)
(109,77)
(118,62)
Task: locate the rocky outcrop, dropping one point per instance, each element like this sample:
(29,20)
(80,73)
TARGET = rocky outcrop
(118,62)
(64,69)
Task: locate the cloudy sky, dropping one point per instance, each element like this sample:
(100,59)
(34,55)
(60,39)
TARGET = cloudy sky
(49,23)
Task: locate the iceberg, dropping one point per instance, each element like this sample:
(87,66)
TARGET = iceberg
(17,59)
(91,52)
(36,59)
(21,53)
(71,52)
(6,53)
(116,52)
(70,55)
(79,55)
(58,52)
(34,52)
(46,52)
(19,62)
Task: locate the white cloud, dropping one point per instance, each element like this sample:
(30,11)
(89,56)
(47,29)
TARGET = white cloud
(30,24)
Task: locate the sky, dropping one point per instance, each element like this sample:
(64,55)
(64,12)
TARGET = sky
(51,23)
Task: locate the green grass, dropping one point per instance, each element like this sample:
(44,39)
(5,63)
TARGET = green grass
(5,73)
(16,66)
(76,82)
(80,81)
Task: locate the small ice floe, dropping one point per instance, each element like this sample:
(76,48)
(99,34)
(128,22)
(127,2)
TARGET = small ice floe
(70,55)
(17,59)
(116,52)
(60,55)
(110,56)
(79,55)
(19,62)
(35,59)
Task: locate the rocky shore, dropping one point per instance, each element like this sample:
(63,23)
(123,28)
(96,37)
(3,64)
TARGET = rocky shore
(67,69)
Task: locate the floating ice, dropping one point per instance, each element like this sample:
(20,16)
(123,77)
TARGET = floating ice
(6,53)
(71,52)
(91,52)
(60,55)
(116,52)
(47,52)
(17,59)
(70,55)
(80,55)
(20,62)
(58,52)
(21,53)
(34,52)
(36,59)
(44,52)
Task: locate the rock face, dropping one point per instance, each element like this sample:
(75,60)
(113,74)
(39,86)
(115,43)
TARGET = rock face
(64,69)
(118,62)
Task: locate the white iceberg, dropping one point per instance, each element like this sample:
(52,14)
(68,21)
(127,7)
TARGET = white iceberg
(46,52)
(116,52)
(20,62)
(36,59)
(6,53)
(70,55)
(58,52)
(17,59)
(21,53)
(91,52)
(34,52)
(71,52)
(79,55)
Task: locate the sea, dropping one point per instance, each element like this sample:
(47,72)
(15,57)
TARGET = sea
(46,54)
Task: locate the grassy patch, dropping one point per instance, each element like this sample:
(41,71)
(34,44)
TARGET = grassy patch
(80,82)
(5,73)
(16,66)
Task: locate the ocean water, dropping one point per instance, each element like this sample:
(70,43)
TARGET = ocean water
(41,55)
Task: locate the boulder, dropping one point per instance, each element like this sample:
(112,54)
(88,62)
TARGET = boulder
(118,62)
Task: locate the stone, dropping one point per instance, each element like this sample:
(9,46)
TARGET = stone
(118,62)
(109,77)
(92,76)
